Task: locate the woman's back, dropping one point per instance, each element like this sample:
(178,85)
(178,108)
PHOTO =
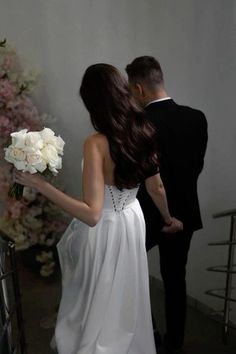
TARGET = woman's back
(108,164)
(114,199)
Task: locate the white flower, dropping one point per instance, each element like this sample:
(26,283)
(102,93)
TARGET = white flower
(47,135)
(28,168)
(59,144)
(18,138)
(40,166)
(35,151)
(49,138)
(54,166)
(51,158)
(34,139)
(16,156)
(35,161)
(49,153)
(28,80)
(45,257)
(47,269)
(29,193)
(34,157)
(21,242)
(14,153)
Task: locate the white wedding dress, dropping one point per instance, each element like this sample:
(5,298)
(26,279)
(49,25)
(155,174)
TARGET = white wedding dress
(105,304)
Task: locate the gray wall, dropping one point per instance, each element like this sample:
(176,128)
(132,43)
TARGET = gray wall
(195,42)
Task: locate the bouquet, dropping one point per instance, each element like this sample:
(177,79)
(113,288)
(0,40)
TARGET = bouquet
(34,151)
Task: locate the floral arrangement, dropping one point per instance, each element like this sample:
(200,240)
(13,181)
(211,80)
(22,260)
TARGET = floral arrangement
(32,222)
(34,152)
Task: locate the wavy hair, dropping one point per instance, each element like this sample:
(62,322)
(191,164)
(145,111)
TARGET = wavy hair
(114,113)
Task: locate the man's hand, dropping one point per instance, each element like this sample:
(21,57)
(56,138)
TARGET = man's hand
(175,226)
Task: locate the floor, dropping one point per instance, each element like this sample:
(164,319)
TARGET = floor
(39,297)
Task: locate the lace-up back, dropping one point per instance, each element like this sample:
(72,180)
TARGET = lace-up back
(118,200)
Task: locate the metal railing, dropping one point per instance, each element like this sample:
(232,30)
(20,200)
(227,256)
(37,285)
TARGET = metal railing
(12,336)
(228,269)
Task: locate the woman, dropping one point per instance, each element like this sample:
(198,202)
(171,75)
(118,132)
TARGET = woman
(105,305)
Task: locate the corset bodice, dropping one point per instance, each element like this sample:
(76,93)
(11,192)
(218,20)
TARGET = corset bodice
(117,200)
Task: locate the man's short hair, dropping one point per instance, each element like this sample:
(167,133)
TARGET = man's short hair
(146,69)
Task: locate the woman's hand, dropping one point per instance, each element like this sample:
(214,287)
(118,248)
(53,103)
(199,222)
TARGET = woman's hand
(27,179)
(175,226)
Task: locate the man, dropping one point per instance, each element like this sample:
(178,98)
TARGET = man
(181,141)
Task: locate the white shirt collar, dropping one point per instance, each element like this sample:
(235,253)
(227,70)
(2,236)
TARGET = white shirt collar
(158,100)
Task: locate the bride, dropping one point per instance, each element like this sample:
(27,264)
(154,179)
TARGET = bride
(105,304)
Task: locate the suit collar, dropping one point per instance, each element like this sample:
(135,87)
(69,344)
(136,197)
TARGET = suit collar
(158,100)
(160,104)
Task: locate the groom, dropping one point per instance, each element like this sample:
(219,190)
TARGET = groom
(182,141)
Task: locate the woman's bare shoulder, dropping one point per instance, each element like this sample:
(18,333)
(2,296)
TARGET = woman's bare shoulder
(98,140)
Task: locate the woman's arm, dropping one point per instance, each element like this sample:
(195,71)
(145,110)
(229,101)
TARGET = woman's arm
(156,190)
(89,210)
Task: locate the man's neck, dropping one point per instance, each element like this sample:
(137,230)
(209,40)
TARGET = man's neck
(158,95)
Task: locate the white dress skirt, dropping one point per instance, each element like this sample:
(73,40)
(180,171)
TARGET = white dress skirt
(105,304)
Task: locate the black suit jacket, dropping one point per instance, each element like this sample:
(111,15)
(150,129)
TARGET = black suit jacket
(182,141)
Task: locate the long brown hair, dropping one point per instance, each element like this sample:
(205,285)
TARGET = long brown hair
(114,113)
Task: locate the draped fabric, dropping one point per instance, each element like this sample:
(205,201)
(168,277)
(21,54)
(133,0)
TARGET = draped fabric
(105,305)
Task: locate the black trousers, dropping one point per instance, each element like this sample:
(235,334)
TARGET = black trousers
(173,249)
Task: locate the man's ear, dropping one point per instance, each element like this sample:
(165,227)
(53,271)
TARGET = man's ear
(140,90)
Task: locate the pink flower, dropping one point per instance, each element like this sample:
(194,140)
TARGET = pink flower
(15,208)
(6,126)
(8,63)
(7,90)
(24,113)
(29,220)
(55,226)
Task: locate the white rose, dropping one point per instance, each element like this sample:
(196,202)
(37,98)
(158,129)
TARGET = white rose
(41,166)
(18,138)
(34,139)
(59,143)
(47,135)
(16,157)
(49,154)
(51,158)
(20,165)
(35,161)
(13,153)
(34,157)
(29,168)
(35,151)
(54,166)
